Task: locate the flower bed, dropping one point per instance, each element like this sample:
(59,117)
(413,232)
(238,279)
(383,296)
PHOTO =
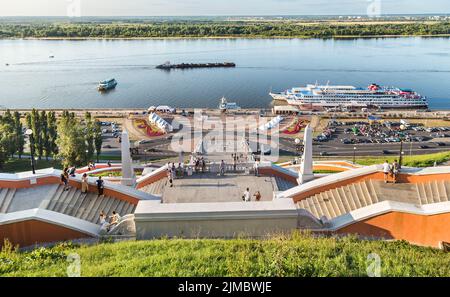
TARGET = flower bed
(150,129)
(295,128)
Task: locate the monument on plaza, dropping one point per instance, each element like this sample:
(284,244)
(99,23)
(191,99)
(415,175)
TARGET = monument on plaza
(128,176)
(305,173)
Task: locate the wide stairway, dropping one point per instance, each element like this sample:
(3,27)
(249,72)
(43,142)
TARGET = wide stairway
(156,188)
(283,185)
(85,206)
(336,202)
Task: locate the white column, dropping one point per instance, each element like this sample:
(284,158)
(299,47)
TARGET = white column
(306,168)
(128,177)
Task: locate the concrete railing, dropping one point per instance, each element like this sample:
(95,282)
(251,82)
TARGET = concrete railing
(52,176)
(413,175)
(51,217)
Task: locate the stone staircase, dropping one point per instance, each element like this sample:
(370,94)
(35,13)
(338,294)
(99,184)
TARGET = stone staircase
(283,184)
(156,188)
(6,197)
(339,201)
(84,206)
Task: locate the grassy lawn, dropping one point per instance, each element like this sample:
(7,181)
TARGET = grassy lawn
(296,255)
(413,161)
(20,165)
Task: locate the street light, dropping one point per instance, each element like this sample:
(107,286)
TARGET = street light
(354,154)
(29,132)
(400,157)
(297,145)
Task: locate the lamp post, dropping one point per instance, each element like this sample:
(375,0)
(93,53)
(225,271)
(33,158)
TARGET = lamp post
(297,145)
(29,132)
(354,154)
(400,158)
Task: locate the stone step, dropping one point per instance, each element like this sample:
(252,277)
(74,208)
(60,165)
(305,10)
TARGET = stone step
(7,200)
(318,205)
(97,209)
(447,189)
(55,198)
(3,193)
(421,193)
(93,203)
(70,204)
(324,206)
(313,208)
(333,203)
(62,203)
(76,206)
(355,196)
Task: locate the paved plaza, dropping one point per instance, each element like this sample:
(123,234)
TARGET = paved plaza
(210,187)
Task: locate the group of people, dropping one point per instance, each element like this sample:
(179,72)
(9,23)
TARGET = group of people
(392,170)
(67,173)
(174,171)
(247,198)
(199,163)
(113,220)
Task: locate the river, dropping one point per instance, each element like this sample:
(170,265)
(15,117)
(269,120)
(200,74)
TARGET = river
(69,80)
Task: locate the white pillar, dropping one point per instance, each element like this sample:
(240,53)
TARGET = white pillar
(128,177)
(306,168)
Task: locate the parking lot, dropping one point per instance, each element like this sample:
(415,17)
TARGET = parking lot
(364,139)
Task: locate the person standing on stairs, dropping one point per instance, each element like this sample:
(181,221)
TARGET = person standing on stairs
(65,179)
(395,170)
(386,171)
(84,184)
(100,186)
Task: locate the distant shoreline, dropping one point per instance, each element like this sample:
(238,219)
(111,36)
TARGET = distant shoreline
(227,37)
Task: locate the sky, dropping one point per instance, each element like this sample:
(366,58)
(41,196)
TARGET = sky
(217,7)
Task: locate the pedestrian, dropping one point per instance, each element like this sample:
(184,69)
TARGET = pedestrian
(395,170)
(203,165)
(109,164)
(246,196)
(386,171)
(169,176)
(72,171)
(65,179)
(256,168)
(257,196)
(222,168)
(84,184)
(100,186)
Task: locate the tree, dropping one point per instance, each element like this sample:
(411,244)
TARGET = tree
(20,138)
(90,135)
(36,127)
(52,133)
(71,141)
(98,140)
(45,143)
(8,136)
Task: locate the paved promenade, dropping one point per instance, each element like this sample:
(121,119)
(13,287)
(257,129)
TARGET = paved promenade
(210,187)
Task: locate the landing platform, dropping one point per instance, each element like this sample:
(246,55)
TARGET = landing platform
(210,187)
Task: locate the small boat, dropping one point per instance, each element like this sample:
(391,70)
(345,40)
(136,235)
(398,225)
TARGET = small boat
(107,85)
(225,105)
(51,56)
(6,64)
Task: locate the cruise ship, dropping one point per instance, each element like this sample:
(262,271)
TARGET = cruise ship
(313,97)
